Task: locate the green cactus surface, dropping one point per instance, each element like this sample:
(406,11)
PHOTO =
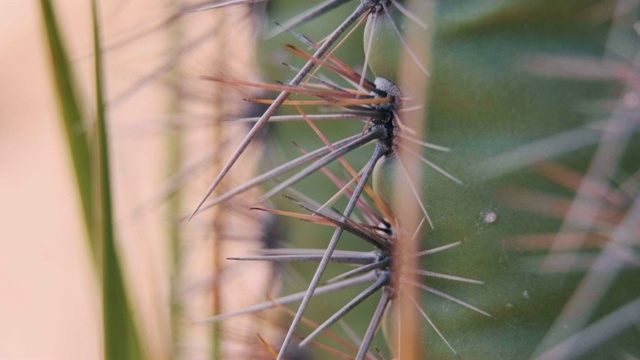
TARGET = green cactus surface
(381,43)
(489,96)
(486,101)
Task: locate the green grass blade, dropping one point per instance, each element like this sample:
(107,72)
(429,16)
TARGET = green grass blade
(175,156)
(72,115)
(121,339)
(120,335)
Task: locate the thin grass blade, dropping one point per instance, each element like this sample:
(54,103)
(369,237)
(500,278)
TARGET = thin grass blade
(72,115)
(121,339)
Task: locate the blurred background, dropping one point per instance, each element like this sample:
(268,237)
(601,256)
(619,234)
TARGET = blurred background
(50,299)
(48,302)
(506,75)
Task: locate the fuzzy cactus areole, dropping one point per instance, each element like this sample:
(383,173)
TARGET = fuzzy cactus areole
(384,171)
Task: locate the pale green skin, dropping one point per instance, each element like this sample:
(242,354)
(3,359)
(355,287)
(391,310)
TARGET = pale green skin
(385,46)
(382,176)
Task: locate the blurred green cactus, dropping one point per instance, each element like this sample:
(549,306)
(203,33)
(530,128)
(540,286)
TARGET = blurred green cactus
(486,101)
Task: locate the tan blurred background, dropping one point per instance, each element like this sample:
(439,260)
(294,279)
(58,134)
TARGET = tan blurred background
(48,306)
(49,296)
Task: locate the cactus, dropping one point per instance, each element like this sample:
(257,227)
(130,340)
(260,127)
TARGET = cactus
(489,106)
(492,109)
(530,197)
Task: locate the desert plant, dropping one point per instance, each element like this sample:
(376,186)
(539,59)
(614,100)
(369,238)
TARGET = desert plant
(467,114)
(502,87)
